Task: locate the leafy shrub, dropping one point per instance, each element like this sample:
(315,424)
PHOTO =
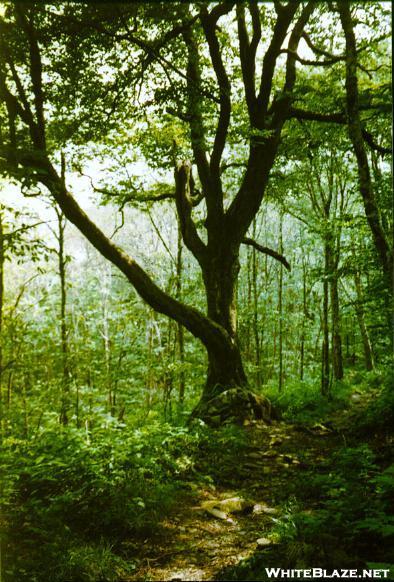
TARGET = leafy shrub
(302,401)
(380,412)
(351,500)
(64,491)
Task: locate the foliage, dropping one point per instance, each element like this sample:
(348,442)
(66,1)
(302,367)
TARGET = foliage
(379,415)
(351,500)
(303,402)
(64,491)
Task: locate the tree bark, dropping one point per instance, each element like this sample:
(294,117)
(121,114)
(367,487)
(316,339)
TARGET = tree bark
(225,369)
(304,319)
(256,331)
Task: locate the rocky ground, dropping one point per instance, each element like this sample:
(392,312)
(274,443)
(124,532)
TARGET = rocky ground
(216,527)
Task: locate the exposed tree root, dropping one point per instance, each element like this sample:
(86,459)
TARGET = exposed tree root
(235,406)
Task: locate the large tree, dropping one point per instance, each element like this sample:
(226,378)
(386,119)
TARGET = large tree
(69,75)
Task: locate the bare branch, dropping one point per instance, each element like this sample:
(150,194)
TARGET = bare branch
(293,45)
(307,62)
(267,251)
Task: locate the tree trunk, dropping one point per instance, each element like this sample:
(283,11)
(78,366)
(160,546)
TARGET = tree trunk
(383,248)
(368,353)
(65,404)
(337,360)
(325,371)
(225,368)
(180,330)
(256,332)
(304,317)
(280,308)
(226,396)
(249,311)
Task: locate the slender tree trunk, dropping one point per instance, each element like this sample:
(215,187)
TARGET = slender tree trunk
(337,359)
(280,308)
(65,394)
(149,381)
(304,317)
(106,335)
(368,353)
(325,371)
(180,330)
(256,331)
(302,350)
(249,315)
(264,326)
(25,390)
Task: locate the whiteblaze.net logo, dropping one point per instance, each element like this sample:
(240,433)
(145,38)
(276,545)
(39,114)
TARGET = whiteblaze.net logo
(320,573)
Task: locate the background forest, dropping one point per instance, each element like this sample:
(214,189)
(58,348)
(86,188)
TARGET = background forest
(196,282)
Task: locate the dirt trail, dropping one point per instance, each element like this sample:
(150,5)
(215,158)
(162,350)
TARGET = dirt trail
(195,545)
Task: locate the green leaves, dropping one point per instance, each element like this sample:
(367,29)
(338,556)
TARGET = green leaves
(63,492)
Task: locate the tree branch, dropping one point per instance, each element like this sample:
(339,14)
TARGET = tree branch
(247,53)
(15,107)
(285,16)
(307,62)
(212,335)
(267,251)
(336,117)
(197,131)
(208,22)
(129,198)
(35,72)
(184,186)
(293,45)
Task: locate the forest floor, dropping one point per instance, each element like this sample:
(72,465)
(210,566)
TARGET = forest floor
(205,538)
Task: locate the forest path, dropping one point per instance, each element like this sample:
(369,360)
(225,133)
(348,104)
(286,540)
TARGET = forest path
(194,544)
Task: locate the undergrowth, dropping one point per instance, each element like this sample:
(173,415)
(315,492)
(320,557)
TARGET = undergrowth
(70,499)
(302,402)
(339,513)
